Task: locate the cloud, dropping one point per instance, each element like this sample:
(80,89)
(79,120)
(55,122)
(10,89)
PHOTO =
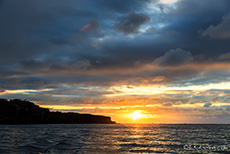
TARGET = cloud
(208,104)
(220,31)
(94,44)
(131,23)
(167,1)
(93,24)
(167,104)
(224,57)
(35,65)
(175,57)
(158,79)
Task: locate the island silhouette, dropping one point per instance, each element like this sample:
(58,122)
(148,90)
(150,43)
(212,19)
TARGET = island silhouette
(16,111)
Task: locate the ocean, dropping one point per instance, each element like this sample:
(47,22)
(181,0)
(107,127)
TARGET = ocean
(114,138)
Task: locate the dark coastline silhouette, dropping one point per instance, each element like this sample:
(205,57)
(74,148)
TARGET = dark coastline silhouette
(18,111)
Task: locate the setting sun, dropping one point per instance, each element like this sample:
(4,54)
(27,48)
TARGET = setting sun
(137,114)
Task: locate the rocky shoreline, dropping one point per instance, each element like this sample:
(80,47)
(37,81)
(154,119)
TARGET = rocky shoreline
(18,111)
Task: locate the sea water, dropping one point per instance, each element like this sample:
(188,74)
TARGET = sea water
(114,138)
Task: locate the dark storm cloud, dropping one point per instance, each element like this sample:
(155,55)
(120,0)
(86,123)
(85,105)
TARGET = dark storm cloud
(220,31)
(41,30)
(126,6)
(51,67)
(189,19)
(181,29)
(53,29)
(33,25)
(224,57)
(35,65)
(175,57)
(131,23)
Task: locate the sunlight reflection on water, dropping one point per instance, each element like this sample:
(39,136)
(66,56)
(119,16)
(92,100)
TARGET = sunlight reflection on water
(112,138)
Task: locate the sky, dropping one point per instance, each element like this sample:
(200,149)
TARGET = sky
(167,60)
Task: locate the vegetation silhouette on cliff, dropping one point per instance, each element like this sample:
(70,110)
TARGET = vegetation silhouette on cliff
(18,111)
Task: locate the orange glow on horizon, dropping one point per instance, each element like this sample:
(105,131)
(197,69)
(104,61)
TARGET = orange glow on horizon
(150,113)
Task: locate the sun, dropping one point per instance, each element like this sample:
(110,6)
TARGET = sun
(137,115)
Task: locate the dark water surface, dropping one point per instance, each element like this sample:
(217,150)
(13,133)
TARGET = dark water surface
(114,138)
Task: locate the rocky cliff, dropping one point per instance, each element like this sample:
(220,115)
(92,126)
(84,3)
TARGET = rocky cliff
(24,112)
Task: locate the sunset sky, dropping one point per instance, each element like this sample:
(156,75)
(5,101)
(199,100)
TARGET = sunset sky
(141,61)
